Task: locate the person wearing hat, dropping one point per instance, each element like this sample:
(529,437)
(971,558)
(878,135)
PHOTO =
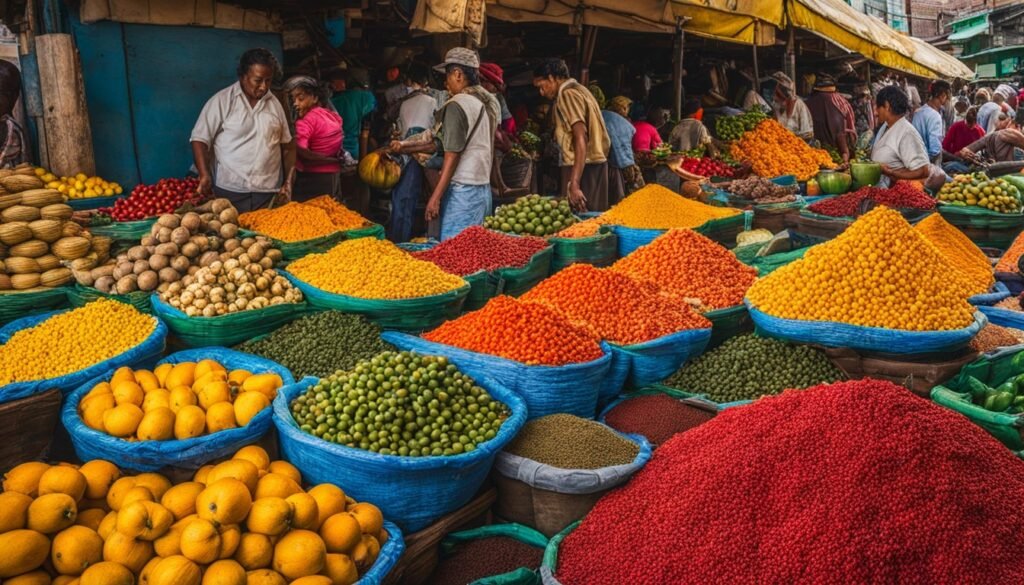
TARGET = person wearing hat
(690,132)
(492,78)
(863,109)
(580,134)
(790,110)
(832,116)
(464,128)
(354,102)
(241,143)
(620,154)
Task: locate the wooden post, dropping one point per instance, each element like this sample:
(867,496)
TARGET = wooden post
(757,69)
(65,117)
(677,71)
(790,64)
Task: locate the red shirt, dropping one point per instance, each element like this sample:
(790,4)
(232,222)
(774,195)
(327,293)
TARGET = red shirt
(646,137)
(960,135)
(319,131)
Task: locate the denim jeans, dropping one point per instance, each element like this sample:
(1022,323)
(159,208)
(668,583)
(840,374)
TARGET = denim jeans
(955,167)
(463,206)
(404,198)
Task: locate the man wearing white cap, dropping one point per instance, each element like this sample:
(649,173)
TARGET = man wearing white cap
(464,129)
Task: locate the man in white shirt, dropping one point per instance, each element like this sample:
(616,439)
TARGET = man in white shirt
(241,142)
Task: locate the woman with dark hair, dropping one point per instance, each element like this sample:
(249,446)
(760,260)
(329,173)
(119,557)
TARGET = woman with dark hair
(318,138)
(898,147)
(961,134)
(12,138)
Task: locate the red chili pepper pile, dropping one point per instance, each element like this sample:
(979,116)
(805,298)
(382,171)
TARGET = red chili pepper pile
(853,482)
(152,200)
(707,167)
(658,417)
(477,249)
(902,195)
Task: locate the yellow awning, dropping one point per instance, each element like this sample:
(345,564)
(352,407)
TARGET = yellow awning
(731,20)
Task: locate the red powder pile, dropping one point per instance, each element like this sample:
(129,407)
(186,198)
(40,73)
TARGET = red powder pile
(854,482)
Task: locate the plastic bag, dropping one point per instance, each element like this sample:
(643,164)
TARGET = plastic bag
(389,555)
(146,456)
(79,296)
(419,314)
(636,366)
(991,369)
(998,292)
(832,334)
(225,330)
(149,349)
(296,250)
(571,388)
(524,534)
(723,231)
(599,250)
(18,304)
(413,492)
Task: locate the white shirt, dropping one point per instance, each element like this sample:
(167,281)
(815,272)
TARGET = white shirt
(245,140)
(754,99)
(899,147)
(800,122)
(474,166)
(416,112)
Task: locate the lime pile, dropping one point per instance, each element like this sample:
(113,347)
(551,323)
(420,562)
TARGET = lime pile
(980,191)
(401,403)
(732,127)
(532,215)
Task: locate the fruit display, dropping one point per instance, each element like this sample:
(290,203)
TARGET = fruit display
(79,186)
(616,307)
(582,229)
(1010,259)
(320,344)
(550,339)
(373,269)
(902,195)
(834,182)
(295,222)
(73,341)
(706,167)
(478,249)
(760,190)
(231,286)
(959,252)
(178,245)
(692,267)
(880,272)
(166,196)
(244,520)
(532,215)
(656,207)
(379,170)
(978,190)
(748,367)
(733,127)
(775,151)
(176,401)
(444,411)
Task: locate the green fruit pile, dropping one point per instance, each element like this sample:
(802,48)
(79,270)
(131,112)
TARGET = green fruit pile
(733,127)
(747,367)
(980,191)
(401,403)
(532,215)
(320,344)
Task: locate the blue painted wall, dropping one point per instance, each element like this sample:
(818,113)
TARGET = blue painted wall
(145,86)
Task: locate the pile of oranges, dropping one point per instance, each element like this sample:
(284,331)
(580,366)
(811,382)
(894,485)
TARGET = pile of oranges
(692,266)
(245,520)
(616,307)
(529,333)
(880,272)
(774,151)
(959,251)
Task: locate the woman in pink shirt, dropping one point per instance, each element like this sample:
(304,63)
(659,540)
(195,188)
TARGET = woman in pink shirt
(318,138)
(646,137)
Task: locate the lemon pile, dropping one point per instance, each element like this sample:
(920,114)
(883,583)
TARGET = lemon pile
(80,186)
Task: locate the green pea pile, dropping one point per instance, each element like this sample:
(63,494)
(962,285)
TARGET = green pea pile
(320,344)
(401,403)
(532,215)
(570,442)
(747,367)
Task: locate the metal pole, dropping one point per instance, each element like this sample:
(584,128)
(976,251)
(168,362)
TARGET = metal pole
(910,19)
(757,69)
(677,71)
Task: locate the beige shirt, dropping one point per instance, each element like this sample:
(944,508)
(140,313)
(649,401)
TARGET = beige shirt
(573,104)
(245,140)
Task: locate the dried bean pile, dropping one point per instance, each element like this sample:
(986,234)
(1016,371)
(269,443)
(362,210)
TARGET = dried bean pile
(992,337)
(655,416)
(760,190)
(841,483)
(571,442)
(485,557)
(902,195)
(477,249)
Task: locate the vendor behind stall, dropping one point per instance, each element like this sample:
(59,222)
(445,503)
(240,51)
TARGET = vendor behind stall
(898,147)
(999,146)
(690,132)
(241,143)
(790,110)
(834,124)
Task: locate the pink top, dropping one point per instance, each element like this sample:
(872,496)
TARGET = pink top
(646,137)
(319,131)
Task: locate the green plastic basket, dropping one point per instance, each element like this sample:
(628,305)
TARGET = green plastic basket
(725,230)
(295,250)
(79,296)
(598,250)
(728,322)
(124,232)
(991,369)
(978,217)
(93,202)
(17,304)
(524,534)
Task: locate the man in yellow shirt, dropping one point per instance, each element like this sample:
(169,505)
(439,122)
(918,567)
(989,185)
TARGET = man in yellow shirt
(580,134)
